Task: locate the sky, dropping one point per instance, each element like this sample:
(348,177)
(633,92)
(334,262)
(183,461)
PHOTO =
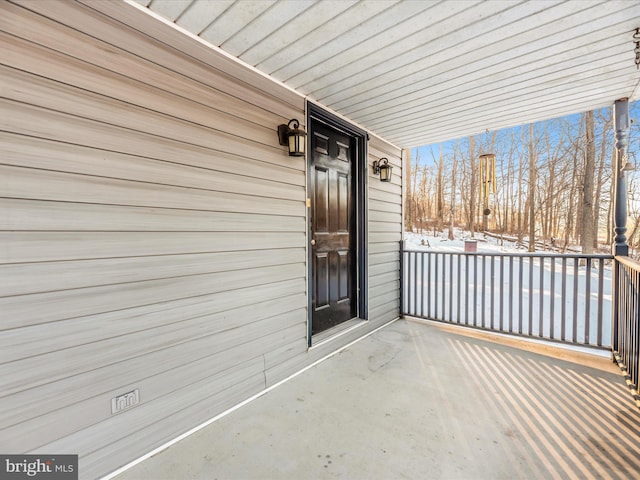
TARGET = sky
(428,154)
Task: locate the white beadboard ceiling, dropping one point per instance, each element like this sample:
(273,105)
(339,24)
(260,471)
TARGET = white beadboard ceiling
(417,72)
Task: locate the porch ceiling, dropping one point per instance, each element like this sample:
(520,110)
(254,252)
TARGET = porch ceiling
(417,72)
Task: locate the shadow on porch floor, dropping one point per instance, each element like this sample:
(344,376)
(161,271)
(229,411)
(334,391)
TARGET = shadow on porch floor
(424,401)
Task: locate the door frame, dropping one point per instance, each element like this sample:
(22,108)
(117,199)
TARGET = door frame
(360,137)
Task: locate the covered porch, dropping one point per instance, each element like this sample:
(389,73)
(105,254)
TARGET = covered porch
(157,241)
(419,399)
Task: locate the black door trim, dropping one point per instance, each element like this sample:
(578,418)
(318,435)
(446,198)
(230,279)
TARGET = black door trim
(317,113)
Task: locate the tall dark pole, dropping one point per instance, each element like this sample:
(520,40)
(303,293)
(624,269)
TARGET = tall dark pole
(620,246)
(621,126)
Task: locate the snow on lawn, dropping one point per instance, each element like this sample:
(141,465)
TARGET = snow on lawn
(440,242)
(543,298)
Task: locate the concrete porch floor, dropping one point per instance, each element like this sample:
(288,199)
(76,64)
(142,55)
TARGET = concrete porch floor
(420,400)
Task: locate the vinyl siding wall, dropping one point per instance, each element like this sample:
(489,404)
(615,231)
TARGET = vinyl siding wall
(152,233)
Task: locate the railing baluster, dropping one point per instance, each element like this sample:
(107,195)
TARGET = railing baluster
(443,290)
(563,300)
(428,308)
(600,300)
(459,287)
(475,288)
(510,283)
(531,264)
(492,292)
(401,263)
(436,292)
(451,290)
(552,287)
(541,299)
(587,303)
(409,283)
(575,299)
(483,293)
(421,284)
(466,290)
(520,294)
(501,302)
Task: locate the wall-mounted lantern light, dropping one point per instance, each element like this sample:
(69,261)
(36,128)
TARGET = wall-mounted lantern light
(381,167)
(294,138)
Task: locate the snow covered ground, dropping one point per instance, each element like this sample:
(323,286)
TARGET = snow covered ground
(539,297)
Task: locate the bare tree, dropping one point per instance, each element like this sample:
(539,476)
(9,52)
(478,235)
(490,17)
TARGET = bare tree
(414,192)
(532,190)
(549,189)
(440,192)
(574,152)
(408,202)
(452,209)
(471,226)
(520,187)
(587,223)
(603,175)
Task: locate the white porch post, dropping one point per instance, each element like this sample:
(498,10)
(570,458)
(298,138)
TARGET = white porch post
(621,126)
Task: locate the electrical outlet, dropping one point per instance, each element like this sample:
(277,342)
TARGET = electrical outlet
(125,401)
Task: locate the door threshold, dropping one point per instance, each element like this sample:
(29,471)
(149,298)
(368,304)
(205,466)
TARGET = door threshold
(335,332)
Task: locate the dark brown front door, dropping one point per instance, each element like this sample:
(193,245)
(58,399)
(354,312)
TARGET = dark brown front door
(331,178)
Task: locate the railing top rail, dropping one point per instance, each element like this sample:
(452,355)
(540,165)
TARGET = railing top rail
(628,262)
(528,254)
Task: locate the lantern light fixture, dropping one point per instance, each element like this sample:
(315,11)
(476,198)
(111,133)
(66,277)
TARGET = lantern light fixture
(295,138)
(381,167)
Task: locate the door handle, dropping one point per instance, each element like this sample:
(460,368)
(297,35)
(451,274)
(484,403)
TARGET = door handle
(313,242)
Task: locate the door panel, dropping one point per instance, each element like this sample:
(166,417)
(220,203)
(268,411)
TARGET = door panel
(333,236)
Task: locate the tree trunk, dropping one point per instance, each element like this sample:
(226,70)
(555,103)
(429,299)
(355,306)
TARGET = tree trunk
(532,191)
(415,210)
(601,178)
(520,183)
(587,234)
(453,194)
(440,192)
(408,202)
(507,220)
(472,201)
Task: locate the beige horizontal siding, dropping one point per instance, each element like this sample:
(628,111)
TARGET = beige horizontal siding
(27,433)
(388,266)
(153,228)
(385,233)
(153,233)
(67,187)
(188,162)
(64,304)
(31,214)
(21,279)
(41,123)
(57,246)
(49,396)
(134,51)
